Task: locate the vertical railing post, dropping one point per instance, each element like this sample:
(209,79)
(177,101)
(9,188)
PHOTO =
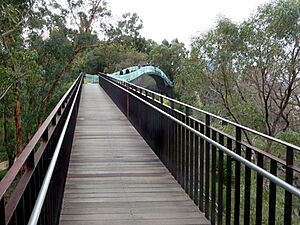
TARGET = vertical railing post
(174,142)
(247,193)
(259,190)
(213,179)
(228,183)
(220,181)
(59,111)
(207,164)
(186,148)
(45,135)
(2,211)
(201,170)
(289,179)
(53,121)
(238,146)
(272,195)
(196,166)
(127,101)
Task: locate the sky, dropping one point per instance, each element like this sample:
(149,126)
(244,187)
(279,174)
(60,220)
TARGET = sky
(169,19)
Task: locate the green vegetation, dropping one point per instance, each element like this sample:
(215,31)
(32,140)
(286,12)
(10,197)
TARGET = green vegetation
(247,72)
(2,173)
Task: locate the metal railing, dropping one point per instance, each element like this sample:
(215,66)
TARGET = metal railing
(230,180)
(30,169)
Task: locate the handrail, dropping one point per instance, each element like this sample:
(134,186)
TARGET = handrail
(297,148)
(293,190)
(43,191)
(7,180)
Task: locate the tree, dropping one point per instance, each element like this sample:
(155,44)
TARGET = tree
(39,53)
(191,83)
(275,70)
(126,31)
(169,56)
(14,14)
(112,57)
(254,66)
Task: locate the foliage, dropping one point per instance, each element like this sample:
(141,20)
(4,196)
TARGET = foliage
(39,54)
(126,31)
(168,56)
(252,68)
(2,173)
(111,57)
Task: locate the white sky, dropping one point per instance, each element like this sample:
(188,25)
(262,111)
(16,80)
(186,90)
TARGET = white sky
(169,19)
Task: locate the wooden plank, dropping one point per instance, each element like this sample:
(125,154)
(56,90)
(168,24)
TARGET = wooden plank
(114,177)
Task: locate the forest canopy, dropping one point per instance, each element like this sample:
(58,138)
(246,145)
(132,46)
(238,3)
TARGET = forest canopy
(247,72)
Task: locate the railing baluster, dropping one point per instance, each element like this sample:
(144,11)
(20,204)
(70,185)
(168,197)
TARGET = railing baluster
(207,165)
(247,189)
(259,191)
(170,142)
(220,181)
(228,184)
(175,159)
(237,193)
(192,159)
(183,153)
(127,102)
(213,179)
(53,121)
(30,163)
(45,135)
(196,167)
(180,167)
(59,111)
(272,194)
(201,170)
(289,179)
(2,211)
(187,150)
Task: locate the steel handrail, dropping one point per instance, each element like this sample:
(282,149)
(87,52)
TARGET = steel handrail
(288,187)
(21,160)
(297,148)
(44,188)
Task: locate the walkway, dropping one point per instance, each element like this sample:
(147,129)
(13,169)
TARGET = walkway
(114,177)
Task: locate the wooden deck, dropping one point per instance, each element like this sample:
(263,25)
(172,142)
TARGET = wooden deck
(114,177)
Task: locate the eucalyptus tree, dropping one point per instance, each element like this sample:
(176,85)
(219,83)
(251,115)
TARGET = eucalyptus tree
(110,57)
(272,61)
(17,63)
(126,31)
(254,66)
(39,47)
(169,56)
(81,34)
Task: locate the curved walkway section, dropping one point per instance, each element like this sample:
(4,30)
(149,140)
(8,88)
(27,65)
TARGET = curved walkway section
(114,177)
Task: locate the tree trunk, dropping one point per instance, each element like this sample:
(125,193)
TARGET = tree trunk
(18,123)
(5,130)
(50,94)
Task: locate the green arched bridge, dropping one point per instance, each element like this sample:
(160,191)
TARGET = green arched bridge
(147,76)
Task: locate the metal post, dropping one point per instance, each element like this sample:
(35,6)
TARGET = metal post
(127,101)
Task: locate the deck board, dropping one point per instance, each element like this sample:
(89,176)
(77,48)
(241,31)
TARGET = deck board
(114,177)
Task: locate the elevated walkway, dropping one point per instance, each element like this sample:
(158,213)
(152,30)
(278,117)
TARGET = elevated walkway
(90,162)
(114,177)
